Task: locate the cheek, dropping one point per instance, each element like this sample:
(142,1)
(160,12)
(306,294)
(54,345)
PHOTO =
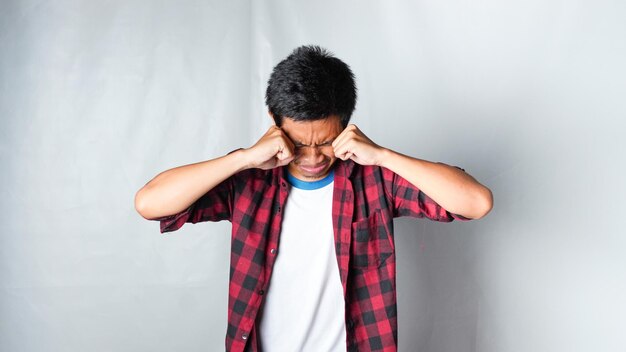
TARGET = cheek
(330,155)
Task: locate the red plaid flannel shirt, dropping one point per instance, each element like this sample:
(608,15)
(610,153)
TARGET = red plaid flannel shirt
(365,201)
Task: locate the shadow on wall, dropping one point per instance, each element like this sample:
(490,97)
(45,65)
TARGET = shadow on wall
(438,289)
(441,266)
(441,290)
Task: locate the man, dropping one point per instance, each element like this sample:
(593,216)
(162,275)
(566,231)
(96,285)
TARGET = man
(312,206)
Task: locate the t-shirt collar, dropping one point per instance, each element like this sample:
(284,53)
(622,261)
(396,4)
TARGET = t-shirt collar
(313,185)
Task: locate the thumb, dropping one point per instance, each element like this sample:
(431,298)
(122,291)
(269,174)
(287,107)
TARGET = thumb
(284,156)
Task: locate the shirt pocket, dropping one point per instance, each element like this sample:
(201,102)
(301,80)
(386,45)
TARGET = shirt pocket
(371,241)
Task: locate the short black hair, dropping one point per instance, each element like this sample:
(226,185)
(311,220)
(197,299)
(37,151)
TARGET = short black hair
(311,84)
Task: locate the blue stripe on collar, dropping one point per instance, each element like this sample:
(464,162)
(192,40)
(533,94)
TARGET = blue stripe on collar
(309,186)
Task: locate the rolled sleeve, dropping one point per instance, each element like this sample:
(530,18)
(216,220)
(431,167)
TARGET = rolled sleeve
(174,222)
(215,205)
(408,200)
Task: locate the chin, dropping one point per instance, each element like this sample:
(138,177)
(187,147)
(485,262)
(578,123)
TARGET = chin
(307,174)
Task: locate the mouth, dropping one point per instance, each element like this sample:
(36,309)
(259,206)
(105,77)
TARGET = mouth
(315,169)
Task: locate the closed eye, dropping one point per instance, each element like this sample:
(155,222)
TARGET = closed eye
(325,144)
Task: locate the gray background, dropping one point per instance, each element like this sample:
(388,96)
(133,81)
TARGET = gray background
(98,97)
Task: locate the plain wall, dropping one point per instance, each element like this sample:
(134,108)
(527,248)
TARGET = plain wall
(96,98)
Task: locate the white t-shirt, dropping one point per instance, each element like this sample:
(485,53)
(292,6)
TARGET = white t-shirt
(304,307)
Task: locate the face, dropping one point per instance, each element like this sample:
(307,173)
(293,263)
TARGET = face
(314,152)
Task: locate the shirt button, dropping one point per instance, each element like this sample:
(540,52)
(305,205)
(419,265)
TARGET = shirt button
(273,250)
(261,292)
(244,336)
(283,184)
(279,208)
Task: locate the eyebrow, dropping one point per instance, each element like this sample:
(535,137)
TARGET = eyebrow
(328,141)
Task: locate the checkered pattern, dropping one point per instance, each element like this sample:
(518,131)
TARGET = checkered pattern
(365,201)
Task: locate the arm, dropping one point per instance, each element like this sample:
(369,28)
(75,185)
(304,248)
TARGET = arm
(452,188)
(174,190)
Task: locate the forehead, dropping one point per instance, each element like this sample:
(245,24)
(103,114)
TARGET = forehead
(308,132)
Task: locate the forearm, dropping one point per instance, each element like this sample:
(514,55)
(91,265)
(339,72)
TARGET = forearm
(452,188)
(176,189)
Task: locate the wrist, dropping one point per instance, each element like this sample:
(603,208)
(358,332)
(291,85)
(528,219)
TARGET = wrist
(384,157)
(241,159)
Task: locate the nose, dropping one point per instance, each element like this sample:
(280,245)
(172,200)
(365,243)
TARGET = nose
(311,155)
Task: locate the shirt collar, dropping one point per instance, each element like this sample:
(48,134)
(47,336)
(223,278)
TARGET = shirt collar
(311,186)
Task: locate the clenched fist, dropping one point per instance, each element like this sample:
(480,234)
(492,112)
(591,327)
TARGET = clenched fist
(353,144)
(273,150)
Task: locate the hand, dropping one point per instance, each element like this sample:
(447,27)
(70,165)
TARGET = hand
(273,150)
(353,144)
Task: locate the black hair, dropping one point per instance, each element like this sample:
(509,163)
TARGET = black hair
(311,84)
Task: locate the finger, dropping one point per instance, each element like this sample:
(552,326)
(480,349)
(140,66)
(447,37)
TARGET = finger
(339,144)
(344,155)
(350,134)
(345,148)
(283,153)
(290,145)
(287,141)
(340,138)
(284,161)
(341,152)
